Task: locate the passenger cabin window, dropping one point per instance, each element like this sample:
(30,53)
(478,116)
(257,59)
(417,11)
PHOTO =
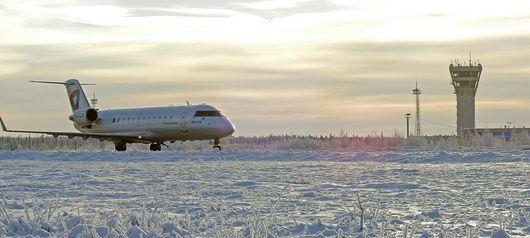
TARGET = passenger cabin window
(208,114)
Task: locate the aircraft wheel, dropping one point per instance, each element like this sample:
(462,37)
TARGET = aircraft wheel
(155,147)
(120,147)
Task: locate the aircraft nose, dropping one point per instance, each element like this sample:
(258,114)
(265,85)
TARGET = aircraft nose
(228,127)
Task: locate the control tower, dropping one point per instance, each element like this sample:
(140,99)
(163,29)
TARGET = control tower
(465,79)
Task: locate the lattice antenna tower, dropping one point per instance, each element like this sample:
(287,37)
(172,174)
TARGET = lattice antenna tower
(416,91)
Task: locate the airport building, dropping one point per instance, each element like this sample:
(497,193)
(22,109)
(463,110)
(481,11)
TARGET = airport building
(506,133)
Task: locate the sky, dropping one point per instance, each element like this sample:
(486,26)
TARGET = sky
(273,67)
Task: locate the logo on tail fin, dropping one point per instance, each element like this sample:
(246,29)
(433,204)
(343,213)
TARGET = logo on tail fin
(74,99)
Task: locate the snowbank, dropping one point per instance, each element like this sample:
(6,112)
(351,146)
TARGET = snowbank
(406,155)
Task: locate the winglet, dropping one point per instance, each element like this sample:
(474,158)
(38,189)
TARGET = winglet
(3,125)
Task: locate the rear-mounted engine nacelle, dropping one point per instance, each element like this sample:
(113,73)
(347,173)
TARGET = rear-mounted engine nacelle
(85,117)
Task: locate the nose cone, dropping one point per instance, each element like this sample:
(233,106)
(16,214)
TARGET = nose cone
(229,128)
(226,128)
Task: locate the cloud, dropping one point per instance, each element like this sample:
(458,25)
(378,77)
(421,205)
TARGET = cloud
(289,67)
(257,21)
(61,23)
(275,9)
(164,12)
(271,4)
(324,87)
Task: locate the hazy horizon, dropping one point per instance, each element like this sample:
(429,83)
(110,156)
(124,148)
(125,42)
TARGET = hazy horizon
(273,67)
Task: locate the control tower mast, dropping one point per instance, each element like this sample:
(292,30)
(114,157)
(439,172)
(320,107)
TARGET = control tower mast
(465,79)
(416,91)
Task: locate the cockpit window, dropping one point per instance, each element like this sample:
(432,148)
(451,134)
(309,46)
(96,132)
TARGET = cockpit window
(208,114)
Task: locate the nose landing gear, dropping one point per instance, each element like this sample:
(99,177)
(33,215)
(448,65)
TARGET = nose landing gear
(216,145)
(155,147)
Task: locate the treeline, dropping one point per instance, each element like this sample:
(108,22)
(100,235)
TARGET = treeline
(45,143)
(279,142)
(316,142)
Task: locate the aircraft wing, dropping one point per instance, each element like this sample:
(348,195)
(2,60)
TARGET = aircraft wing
(114,137)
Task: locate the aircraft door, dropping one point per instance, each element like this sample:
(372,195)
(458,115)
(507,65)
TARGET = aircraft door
(183,122)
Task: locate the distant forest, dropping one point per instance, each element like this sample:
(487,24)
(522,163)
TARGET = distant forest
(279,142)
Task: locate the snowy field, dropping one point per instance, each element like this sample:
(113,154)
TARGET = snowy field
(259,193)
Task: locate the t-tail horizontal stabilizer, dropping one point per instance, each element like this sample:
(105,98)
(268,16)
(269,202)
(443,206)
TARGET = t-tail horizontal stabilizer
(62,83)
(74,91)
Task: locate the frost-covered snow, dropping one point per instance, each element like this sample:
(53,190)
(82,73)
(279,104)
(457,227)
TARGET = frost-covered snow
(425,192)
(404,155)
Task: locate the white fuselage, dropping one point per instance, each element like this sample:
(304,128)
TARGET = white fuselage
(171,123)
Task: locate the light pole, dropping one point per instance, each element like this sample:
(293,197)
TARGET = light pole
(407,117)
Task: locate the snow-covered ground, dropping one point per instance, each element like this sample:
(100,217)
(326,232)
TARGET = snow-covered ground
(420,192)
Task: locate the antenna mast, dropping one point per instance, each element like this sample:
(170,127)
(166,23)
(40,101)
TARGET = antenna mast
(94,100)
(416,91)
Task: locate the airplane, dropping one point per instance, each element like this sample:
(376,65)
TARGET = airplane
(147,125)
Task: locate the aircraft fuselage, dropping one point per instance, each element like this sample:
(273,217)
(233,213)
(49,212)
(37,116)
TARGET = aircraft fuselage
(171,123)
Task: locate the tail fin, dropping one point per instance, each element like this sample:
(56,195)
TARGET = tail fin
(75,93)
(4,128)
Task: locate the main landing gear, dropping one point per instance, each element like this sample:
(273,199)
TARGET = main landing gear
(216,143)
(155,147)
(120,146)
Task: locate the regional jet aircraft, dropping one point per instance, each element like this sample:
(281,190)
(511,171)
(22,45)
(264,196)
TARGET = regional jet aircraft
(147,125)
